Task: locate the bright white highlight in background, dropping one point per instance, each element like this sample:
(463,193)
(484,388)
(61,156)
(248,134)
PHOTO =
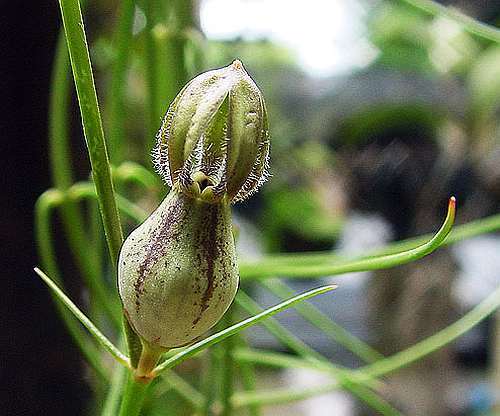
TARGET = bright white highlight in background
(325,35)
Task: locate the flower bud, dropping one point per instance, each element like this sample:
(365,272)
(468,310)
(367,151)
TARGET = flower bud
(217,125)
(177,272)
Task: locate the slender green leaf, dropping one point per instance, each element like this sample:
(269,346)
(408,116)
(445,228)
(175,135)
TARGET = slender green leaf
(60,158)
(98,335)
(295,344)
(234,329)
(266,270)
(459,233)
(356,386)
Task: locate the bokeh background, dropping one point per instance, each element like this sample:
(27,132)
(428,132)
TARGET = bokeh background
(378,114)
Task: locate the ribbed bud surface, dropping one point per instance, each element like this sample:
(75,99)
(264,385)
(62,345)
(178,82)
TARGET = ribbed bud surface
(178,272)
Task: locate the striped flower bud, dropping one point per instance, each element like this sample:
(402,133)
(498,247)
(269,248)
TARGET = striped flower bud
(177,272)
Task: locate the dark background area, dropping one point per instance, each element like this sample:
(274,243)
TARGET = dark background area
(40,371)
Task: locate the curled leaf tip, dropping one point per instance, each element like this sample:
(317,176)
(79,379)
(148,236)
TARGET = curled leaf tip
(452,209)
(452,204)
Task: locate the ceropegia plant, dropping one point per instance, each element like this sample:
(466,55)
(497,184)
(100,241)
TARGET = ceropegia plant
(178,271)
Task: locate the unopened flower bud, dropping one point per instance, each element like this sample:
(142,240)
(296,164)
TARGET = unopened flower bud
(216,126)
(177,272)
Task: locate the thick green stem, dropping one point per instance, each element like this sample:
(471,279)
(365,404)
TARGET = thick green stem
(150,355)
(133,397)
(92,123)
(60,157)
(112,401)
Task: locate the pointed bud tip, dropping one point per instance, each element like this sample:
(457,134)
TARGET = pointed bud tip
(237,65)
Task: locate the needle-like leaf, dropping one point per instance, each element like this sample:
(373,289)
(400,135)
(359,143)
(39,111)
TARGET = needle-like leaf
(98,335)
(234,329)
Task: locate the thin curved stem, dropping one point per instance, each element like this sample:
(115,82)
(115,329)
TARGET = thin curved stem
(44,241)
(363,264)
(44,206)
(133,172)
(458,233)
(469,24)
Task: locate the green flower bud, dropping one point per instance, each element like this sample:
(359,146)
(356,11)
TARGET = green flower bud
(177,272)
(217,126)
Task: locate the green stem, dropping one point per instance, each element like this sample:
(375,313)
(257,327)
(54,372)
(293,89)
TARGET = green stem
(136,173)
(469,24)
(459,233)
(150,355)
(92,123)
(247,373)
(133,397)
(117,109)
(112,401)
(60,157)
(44,206)
(59,105)
(210,373)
